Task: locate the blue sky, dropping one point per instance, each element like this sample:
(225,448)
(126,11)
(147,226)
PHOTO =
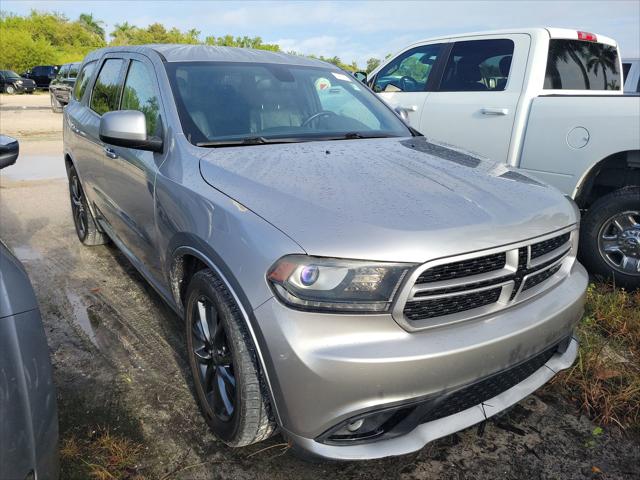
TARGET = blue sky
(357,30)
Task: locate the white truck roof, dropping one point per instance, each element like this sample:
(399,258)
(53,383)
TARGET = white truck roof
(551,32)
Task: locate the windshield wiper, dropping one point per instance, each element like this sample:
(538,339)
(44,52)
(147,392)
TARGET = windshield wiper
(248,141)
(358,135)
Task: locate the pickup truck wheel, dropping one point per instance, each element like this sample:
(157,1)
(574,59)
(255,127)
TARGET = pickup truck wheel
(228,384)
(83,220)
(610,237)
(56,106)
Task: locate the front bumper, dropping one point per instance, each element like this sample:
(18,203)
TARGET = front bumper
(25,88)
(325,369)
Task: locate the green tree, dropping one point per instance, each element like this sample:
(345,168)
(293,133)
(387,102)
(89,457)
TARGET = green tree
(372,64)
(92,24)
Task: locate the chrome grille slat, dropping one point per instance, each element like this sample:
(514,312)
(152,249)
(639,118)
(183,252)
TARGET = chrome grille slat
(441,293)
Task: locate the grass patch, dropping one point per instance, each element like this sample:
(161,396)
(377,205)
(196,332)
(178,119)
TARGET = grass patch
(605,379)
(102,456)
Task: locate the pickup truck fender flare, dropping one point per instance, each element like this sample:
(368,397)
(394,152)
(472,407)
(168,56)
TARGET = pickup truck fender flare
(584,184)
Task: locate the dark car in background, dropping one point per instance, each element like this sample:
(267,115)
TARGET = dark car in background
(11,83)
(42,74)
(61,87)
(28,409)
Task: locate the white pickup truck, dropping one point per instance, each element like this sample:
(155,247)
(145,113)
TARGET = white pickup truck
(548,101)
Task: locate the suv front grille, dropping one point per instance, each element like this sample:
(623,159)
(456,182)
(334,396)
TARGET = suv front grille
(454,291)
(465,268)
(448,305)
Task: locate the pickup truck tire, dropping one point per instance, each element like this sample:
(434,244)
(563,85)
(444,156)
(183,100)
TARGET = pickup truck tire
(56,106)
(610,237)
(229,387)
(86,226)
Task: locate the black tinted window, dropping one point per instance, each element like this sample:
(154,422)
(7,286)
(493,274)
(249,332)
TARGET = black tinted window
(478,65)
(409,72)
(140,94)
(83,80)
(106,91)
(581,65)
(626,67)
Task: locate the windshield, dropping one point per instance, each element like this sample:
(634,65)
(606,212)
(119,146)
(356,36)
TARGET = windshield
(222,103)
(10,74)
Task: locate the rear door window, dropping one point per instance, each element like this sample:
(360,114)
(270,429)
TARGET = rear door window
(582,65)
(478,66)
(106,91)
(409,72)
(83,80)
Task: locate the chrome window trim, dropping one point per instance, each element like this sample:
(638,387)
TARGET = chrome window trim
(409,288)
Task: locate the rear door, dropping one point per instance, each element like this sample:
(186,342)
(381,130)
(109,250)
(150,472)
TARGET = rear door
(406,81)
(474,105)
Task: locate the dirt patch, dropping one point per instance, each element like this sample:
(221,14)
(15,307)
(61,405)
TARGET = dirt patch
(119,366)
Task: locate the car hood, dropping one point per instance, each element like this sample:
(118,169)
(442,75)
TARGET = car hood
(386,199)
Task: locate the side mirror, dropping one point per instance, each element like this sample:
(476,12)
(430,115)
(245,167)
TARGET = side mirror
(9,150)
(128,128)
(361,76)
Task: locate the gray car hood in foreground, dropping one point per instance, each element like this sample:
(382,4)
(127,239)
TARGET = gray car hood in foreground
(386,199)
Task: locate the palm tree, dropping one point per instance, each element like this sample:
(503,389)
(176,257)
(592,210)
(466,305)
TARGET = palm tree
(91,24)
(560,51)
(602,58)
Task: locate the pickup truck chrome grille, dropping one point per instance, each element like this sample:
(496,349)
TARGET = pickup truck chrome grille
(468,286)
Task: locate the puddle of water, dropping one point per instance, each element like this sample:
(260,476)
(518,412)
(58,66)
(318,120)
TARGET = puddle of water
(26,253)
(36,167)
(82,316)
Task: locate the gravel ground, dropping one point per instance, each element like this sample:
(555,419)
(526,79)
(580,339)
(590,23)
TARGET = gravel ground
(119,362)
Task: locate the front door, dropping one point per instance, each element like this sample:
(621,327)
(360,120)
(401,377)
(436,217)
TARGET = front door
(131,173)
(475,104)
(405,82)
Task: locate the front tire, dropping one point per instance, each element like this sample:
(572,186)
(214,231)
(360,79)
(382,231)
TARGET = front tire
(85,224)
(610,237)
(229,387)
(10,89)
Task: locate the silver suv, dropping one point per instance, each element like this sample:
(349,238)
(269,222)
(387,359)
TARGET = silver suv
(341,278)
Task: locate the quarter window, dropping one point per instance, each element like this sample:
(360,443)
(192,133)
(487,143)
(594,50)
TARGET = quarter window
(581,65)
(478,66)
(140,94)
(409,72)
(106,91)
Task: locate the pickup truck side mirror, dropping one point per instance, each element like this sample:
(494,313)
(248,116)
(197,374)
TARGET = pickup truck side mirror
(360,76)
(128,128)
(9,150)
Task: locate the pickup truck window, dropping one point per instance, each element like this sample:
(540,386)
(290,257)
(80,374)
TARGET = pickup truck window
(409,72)
(478,66)
(582,65)
(73,70)
(626,68)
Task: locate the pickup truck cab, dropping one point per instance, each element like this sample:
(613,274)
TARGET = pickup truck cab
(549,101)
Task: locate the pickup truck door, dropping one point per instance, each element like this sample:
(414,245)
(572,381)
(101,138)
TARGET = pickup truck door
(474,105)
(405,81)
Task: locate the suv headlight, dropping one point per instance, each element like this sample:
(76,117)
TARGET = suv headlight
(19,82)
(332,284)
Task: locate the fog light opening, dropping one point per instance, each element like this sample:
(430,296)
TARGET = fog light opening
(355,426)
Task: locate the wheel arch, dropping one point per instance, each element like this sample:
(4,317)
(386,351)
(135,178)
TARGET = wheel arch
(190,254)
(618,170)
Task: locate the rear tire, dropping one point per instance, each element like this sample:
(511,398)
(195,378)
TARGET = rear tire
(610,237)
(56,106)
(229,387)
(85,224)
